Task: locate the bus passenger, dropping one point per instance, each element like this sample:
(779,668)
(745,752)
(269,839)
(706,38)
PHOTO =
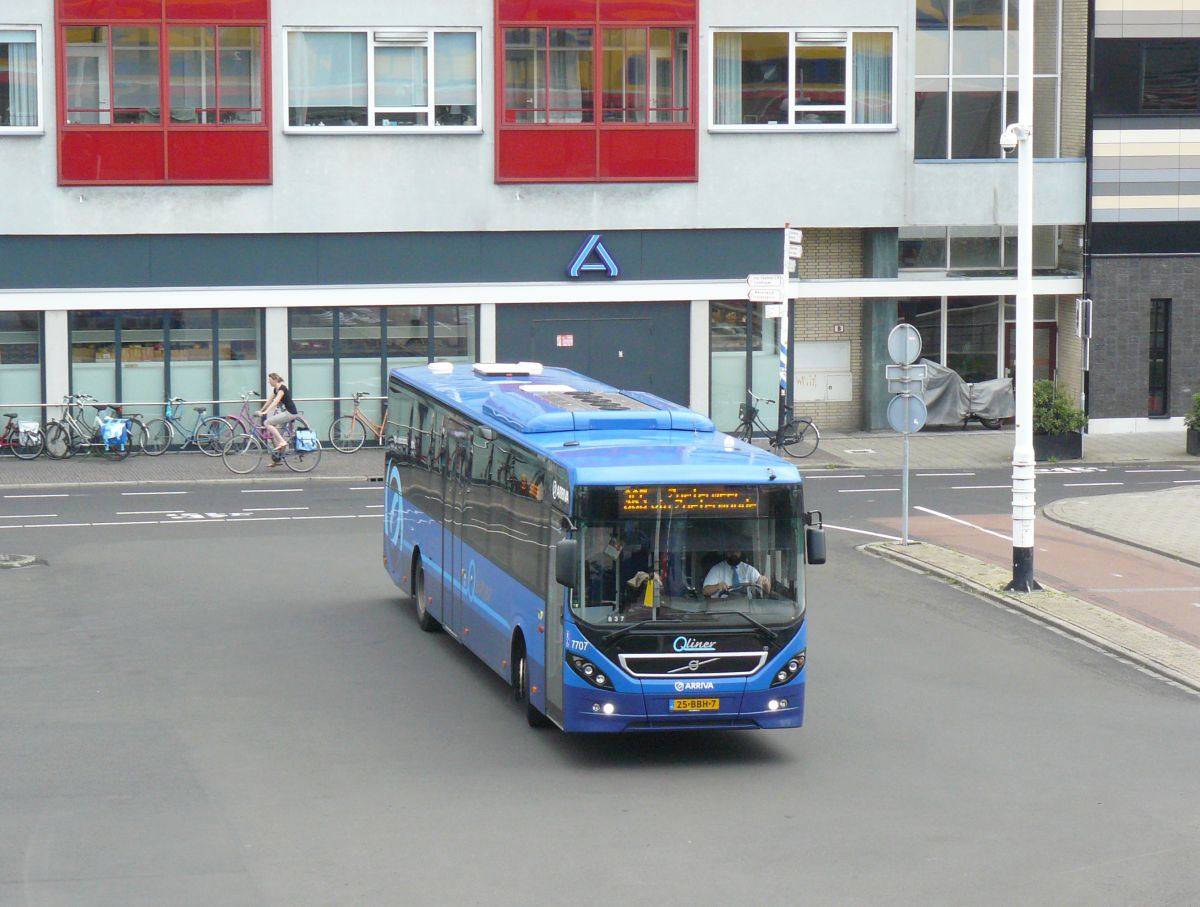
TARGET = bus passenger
(733,572)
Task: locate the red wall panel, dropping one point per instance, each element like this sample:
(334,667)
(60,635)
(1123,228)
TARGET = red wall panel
(218,156)
(107,155)
(534,11)
(648,10)
(649,154)
(546,154)
(116,10)
(219,10)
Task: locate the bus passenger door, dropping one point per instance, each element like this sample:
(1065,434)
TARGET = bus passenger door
(553,622)
(455,485)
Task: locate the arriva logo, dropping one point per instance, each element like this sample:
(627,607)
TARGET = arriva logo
(682,685)
(685,644)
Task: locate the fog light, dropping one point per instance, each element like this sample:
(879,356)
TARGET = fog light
(600,679)
(783,703)
(595,706)
(773,705)
(609,708)
(589,670)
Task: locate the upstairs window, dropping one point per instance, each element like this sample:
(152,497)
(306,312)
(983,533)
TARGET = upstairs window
(597,94)
(164,91)
(20,80)
(803,79)
(383,80)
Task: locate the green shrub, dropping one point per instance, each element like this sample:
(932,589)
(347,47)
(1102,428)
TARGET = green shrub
(1192,419)
(1053,411)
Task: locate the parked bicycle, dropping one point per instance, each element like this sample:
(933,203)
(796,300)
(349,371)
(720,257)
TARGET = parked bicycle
(244,421)
(246,451)
(24,439)
(349,433)
(208,434)
(108,436)
(799,438)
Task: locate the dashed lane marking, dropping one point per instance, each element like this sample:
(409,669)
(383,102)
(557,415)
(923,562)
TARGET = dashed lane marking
(954,519)
(976,487)
(1089,484)
(149,494)
(146,512)
(18,496)
(931,475)
(1176,469)
(863,490)
(809,478)
(266,509)
(363,488)
(269,490)
(29,516)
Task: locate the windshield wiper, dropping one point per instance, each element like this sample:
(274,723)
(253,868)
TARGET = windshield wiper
(617,634)
(766,631)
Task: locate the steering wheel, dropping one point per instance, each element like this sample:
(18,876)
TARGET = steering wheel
(750,590)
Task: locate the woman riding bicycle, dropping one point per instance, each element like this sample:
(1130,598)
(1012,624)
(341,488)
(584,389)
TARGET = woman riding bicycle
(279,410)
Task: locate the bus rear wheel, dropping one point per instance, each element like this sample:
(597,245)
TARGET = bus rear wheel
(521,687)
(425,620)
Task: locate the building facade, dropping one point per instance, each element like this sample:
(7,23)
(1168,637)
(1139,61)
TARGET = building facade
(200,193)
(1144,251)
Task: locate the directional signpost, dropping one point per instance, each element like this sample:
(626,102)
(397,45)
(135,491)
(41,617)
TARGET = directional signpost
(906,411)
(772,291)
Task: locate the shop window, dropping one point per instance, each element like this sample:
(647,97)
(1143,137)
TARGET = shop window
(926,316)
(965,89)
(1160,356)
(129,116)
(803,79)
(727,326)
(605,95)
(21,362)
(979,248)
(20,79)
(384,80)
(973,337)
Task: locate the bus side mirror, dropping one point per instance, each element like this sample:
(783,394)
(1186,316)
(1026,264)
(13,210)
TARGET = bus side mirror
(566,562)
(814,545)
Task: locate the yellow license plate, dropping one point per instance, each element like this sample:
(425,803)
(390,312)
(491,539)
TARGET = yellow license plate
(695,705)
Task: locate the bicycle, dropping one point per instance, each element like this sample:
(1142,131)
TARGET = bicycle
(209,435)
(799,438)
(24,439)
(68,436)
(348,433)
(244,421)
(245,452)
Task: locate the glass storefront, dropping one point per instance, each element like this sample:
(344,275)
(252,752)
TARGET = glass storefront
(144,357)
(341,351)
(21,363)
(727,341)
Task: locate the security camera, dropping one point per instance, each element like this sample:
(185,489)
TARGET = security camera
(1012,136)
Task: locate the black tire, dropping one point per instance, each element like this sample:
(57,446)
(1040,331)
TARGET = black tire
(58,441)
(989,423)
(137,434)
(347,434)
(213,436)
(425,620)
(28,451)
(298,461)
(534,717)
(157,437)
(243,455)
(801,439)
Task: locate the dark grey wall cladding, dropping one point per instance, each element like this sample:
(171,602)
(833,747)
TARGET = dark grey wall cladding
(1120,368)
(101,262)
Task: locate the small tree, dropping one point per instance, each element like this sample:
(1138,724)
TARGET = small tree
(1053,411)
(1192,419)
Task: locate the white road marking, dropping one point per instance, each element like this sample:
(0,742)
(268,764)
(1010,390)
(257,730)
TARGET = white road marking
(17,496)
(29,516)
(253,519)
(344,516)
(955,519)
(48,525)
(972,487)
(367,516)
(378,487)
(863,490)
(150,493)
(375,505)
(925,475)
(146,512)
(1184,481)
(269,490)
(836,476)
(1176,469)
(878,535)
(265,509)
(1088,484)
(129,523)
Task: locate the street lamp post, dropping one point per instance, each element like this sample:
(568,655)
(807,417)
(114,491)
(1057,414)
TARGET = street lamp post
(1021,134)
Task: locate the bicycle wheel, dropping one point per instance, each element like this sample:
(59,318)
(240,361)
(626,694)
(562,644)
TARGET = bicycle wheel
(58,441)
(157,437)
(213,436)
(296,460)
(243,454)
(347,434)
(137,434)
(116,450)
(28,449)
(801,438)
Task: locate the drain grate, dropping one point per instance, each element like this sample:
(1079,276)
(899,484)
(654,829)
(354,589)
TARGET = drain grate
(18,560)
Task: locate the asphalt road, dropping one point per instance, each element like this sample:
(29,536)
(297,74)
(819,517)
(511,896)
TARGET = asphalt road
(217,697)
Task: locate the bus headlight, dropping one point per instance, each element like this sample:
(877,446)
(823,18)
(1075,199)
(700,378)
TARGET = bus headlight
(789,670)
(589,672)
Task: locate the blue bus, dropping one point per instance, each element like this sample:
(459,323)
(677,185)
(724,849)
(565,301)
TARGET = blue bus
(620,562)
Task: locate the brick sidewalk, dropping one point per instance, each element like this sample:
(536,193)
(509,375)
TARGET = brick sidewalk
(1166,521)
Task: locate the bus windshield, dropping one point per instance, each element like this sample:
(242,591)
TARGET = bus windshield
(705,555)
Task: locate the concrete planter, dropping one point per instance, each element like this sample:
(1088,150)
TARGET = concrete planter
(1193,442)
(1066,446)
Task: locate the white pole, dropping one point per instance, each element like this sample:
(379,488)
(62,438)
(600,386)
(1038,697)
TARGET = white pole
(1023,461)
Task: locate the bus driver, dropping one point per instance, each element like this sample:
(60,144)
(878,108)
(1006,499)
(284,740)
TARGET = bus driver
(733,572)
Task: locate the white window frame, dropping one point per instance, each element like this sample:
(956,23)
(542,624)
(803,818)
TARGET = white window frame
(40,128)
(792,33)
(372,108)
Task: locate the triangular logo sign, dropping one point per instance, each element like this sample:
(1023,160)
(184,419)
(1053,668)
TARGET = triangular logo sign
(592,256)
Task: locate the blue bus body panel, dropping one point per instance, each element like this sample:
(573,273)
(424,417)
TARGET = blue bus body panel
(666,444)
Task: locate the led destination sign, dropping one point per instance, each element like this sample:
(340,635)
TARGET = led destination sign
(697,500)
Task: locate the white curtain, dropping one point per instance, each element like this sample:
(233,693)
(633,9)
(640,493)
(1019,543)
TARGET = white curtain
(327,71)
(22,79)
(727,92)
(570,53)
(873,77)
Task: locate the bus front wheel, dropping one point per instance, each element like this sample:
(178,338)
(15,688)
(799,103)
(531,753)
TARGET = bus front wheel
(425,620)
(521,686)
